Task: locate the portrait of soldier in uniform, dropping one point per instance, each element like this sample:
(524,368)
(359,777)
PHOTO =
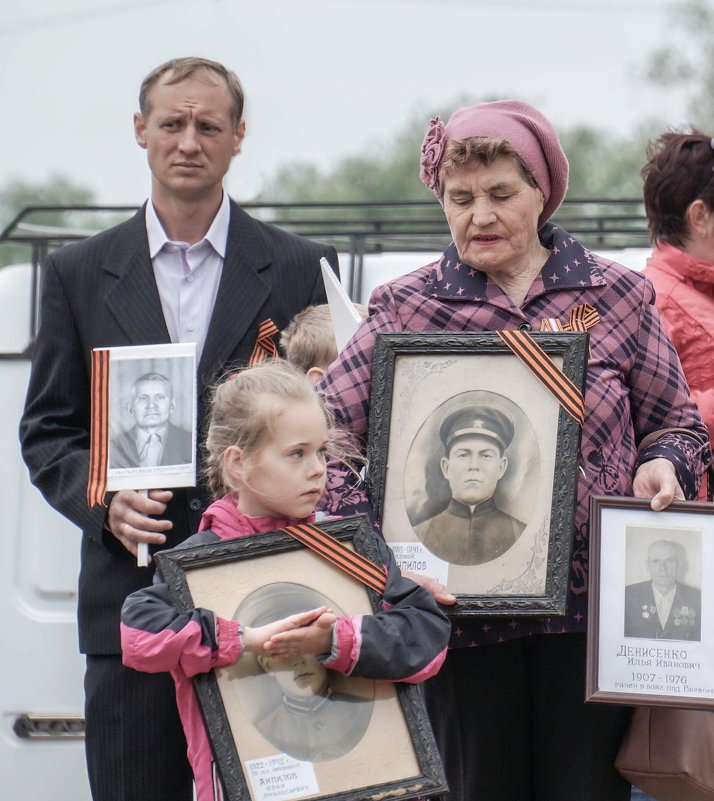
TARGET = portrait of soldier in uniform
(297,704)
(663,608)
(472,529)
(313,721)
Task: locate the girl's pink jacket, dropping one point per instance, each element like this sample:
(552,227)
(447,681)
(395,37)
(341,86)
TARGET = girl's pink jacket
(404,642)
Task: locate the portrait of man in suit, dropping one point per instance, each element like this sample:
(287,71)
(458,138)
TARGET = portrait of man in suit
(153,440)
(663,608)
(472,529)
(190,266)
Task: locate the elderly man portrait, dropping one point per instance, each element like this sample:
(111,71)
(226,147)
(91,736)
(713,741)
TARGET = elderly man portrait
(472,529)
(663,608)
(190,266)
(153,440)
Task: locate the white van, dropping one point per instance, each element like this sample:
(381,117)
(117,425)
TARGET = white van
(41,695)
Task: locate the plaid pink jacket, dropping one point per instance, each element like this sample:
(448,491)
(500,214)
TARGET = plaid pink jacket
(635,384)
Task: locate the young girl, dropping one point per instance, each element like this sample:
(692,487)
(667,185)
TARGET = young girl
(268,443)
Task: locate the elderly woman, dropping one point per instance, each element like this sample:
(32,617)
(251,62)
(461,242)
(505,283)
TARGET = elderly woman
(679,200)
(507,707)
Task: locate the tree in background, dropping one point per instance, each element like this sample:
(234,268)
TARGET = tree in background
(601,166)
(687,62)
(388,171)
(57,191)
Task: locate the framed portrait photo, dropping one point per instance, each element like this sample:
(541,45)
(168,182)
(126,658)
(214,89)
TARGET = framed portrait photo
(290,729)
(473,466)
(651,628)
(143,417)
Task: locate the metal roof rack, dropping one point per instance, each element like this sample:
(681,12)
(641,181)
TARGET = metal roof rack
(353,228)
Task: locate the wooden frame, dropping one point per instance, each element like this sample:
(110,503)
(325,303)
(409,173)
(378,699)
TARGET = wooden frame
(384,747)
(640,651)
(418,381)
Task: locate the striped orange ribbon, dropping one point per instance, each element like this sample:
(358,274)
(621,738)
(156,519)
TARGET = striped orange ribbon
(522,344)
(339,554)
(99,428)
(581,318)
(264,347)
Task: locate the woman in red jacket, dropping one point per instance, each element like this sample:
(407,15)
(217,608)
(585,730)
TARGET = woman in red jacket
(679,200)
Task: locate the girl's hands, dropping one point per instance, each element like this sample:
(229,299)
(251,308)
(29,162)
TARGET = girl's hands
(312,638)
(257,638)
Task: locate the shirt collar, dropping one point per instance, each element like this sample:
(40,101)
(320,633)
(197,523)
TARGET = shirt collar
(679,263)
(664,595)
(142,435)
(224,519)
(459,509)
(569,266)
(217,234)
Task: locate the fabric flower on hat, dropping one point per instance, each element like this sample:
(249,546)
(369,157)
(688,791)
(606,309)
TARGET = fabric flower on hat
(432,150)
(525,129)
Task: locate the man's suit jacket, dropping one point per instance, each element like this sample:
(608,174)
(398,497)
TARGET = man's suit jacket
(641,618)
(177,448)
(101,292)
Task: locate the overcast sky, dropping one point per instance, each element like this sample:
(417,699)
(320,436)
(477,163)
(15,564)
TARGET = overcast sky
(323,78)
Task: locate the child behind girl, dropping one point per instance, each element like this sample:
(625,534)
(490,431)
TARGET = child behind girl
(268,444)
(308,341)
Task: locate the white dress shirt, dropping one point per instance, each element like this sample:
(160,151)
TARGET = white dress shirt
(187,276)
(664,603)
(150,446)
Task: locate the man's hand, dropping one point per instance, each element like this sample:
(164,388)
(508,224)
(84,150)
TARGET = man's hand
(266,639)
(657,479)
(438,591)
(128,518)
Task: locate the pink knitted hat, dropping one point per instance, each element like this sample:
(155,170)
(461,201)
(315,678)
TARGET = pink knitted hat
(523,127)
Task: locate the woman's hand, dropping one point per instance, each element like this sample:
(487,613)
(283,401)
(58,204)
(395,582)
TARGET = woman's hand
(657,479)
(438,591)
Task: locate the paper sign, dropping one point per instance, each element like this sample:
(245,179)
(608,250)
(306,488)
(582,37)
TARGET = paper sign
(415,558)
(345,318)
(280,777)
(143,422)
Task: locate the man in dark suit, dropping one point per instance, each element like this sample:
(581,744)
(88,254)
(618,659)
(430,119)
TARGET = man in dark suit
(153,440)
(663,608)
(189,267)
(472,529)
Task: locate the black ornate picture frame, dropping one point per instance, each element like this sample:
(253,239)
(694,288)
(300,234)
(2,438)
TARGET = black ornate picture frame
(384,747)
(650,610)
(507,552)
